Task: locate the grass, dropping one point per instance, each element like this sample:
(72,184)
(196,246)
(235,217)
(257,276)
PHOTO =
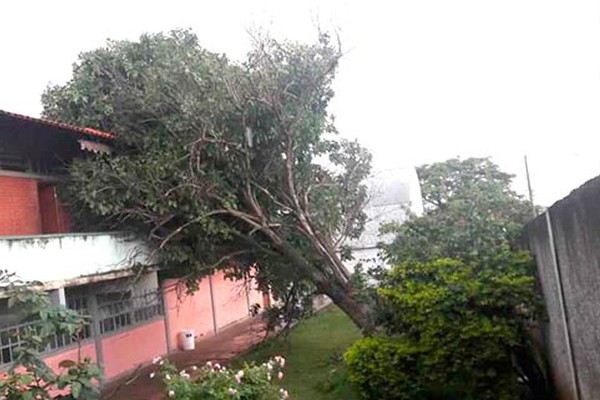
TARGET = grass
(313,351)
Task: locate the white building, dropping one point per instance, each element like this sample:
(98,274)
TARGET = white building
(393,195)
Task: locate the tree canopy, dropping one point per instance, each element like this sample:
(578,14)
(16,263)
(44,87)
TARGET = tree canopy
(221,164)
(471,213)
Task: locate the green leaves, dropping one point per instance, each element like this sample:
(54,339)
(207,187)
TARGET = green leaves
(218,165)
(456,331)
(214,382)
(28,376)
(471,214)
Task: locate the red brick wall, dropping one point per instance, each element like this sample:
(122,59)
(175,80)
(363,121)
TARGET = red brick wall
(54,217)
(19,206)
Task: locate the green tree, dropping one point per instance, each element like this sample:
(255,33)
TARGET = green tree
(222,165)
(471,213)
(455,331)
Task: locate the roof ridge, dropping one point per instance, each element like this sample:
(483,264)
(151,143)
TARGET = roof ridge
(62,125)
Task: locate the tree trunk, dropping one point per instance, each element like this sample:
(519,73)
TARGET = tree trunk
(341,293)
(361,314)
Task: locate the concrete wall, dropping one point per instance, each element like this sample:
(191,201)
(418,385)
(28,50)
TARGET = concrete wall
(60,258)
(566,244)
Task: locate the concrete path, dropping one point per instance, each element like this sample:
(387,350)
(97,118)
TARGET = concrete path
(223,347)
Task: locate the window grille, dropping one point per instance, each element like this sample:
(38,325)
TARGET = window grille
(113,316)
(12,337)
(130,311)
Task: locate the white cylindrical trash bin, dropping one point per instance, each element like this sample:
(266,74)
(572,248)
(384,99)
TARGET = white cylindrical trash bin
(187,339)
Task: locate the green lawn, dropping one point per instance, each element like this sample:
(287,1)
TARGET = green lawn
(314,368)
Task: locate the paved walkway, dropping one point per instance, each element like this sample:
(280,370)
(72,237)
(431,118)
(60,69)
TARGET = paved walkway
(226,345)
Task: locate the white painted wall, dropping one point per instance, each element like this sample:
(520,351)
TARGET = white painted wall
(65,257)
(393,194)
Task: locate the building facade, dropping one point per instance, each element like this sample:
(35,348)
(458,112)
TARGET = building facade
(133,318)
(394,195)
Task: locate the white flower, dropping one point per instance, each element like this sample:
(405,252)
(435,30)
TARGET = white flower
(279,360)
(217,366)
(284,394)
(161,362)
(238,376)
(171,393)
(152,374)
(270,366)
(184,374)
(280,375)
(167,377)
(231,391)
(194,368)
(208,364)
(155,360)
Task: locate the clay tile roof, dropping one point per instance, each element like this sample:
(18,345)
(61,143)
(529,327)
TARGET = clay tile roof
(60,125)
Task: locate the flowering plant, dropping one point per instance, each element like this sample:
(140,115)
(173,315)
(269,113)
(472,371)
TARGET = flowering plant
(216,382)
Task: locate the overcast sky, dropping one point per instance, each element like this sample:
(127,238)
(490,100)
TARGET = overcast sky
(422,80)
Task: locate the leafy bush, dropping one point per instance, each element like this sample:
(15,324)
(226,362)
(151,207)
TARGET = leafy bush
(29,377)
(386,368)
(216,382)
(456,331)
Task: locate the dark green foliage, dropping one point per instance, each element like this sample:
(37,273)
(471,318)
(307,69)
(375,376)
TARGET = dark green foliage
(221,165)
(456,331)
(471,214)
(386,368)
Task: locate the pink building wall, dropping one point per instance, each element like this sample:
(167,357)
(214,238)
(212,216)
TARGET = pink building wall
(87,350)
(188,312)
(125,350)
(256,297)
(195,311)
(231,304)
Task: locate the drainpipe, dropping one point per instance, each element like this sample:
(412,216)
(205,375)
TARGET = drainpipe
(563,308)
(212,304)
(167,323)
(56,208)
(247,297)
(93,307)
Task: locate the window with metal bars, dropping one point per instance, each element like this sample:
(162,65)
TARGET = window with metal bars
(13,337)
(129,310)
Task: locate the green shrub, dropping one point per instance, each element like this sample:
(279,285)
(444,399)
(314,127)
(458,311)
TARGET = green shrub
(386,368)
(456,331)
(216,382)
